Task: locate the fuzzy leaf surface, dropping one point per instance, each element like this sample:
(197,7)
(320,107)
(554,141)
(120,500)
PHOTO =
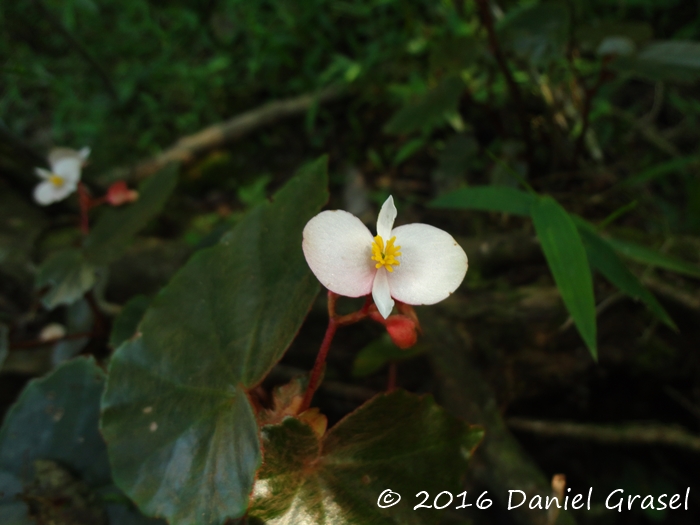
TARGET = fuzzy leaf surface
(181,432)
(395,441)
(67,275)
(116,227)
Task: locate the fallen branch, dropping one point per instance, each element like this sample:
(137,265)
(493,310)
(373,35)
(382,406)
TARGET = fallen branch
(192,146)
(631,433)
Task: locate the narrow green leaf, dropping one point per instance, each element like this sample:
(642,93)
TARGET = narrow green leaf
(604,259)
(487,198)
(379,353)
(651,257)
(660,170)
(666,61)
(176,415)
(127,321)
(68,277)
(55,418)
(116,227)
(430,110)
(396,441)
(568,263)
(408,149)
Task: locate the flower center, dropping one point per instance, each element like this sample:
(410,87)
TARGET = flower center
(385,255)
(56,180)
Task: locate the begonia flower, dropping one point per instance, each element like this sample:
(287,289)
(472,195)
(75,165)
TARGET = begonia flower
(414,263)
(63,177)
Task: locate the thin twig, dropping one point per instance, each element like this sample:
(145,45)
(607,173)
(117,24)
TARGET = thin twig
(587,106)
(36,343)
(188,148)
(487,19)
(632,433)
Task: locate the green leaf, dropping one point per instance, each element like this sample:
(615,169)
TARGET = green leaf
(430,110)
(116,227)
(378,353)
(79,318)
(4,343)
(176,415)
(68,276)
(568,263)
(651,257)
(408,149)
(660,170)
(487,198)
(396,441)
(55,418)
(127,321)
(537,32)
(665,61)
(604,259)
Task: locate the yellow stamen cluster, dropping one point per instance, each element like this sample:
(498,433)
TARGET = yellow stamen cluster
(56,180)
(385,256)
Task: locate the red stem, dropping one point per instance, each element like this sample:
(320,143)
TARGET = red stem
(318,365)
(391,380)
(84,200)
(334,321)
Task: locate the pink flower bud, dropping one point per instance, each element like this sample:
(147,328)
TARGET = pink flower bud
(401,329)
(119,193)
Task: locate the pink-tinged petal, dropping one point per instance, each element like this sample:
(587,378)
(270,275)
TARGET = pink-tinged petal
(381,293)
(68,168)
(338,249)
(42,173)
(432,265)
(385,220)
(44,193)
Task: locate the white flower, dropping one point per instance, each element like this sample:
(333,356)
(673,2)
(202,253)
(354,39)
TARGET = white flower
(414,264)
(63,178)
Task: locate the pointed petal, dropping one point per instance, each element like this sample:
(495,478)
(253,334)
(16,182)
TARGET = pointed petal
(68,168)
(338,249)
(432,265)
(44,193)
(42,173)
(381,294)
(385,221)
(84,153)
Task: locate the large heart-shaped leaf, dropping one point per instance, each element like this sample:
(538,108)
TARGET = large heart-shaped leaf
(568,263)
(54,419)
(487,198)
(396,441)
(116,227)
(181,432)
(67,275)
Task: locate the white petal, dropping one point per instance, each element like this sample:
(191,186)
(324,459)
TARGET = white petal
(338,249)
(68,168)
(45,193)
(432,265)
(84,153)
(65,190)
(42,173)
(381,294)
(385,221)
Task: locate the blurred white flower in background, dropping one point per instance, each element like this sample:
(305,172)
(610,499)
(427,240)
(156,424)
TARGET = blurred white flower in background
(62,180)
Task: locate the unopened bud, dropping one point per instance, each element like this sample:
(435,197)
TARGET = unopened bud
(401,329)
(119,193)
